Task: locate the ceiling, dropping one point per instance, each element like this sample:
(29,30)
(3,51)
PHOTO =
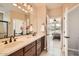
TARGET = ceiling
(53,5)
(5,7)
(9,6)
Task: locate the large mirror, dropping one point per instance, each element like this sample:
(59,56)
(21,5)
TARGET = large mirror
(19,27)
(13,22)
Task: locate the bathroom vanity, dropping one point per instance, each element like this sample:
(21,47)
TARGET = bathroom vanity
(26,45)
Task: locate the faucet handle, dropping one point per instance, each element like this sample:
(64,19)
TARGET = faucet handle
(15,39)
(10,39)
(5,42)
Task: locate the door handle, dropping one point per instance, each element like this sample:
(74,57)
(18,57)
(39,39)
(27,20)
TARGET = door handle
(66,37)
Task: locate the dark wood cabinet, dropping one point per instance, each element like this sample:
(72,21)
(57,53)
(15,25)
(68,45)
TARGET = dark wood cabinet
(29,47)
(38,47)
(33,49)
(42,43)
(30,50)
(17,53)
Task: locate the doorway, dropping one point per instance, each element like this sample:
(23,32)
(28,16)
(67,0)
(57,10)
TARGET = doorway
(54,36)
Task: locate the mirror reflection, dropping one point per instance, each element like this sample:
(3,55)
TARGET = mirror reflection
(13,21)
(19,27)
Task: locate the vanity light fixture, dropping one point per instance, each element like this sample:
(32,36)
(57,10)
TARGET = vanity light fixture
(27,7)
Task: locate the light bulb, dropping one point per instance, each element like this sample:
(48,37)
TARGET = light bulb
(19,7)
(28,7)
(25,4)
(22,9)
(31,9)
(14,4)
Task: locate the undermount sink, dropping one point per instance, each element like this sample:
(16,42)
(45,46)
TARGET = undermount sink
(9,45)
(5,48)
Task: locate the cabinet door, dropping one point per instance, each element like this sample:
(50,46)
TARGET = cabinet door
(42,43)
(38,47)
(17,53)
(29,47)
(30,52)
(38,50)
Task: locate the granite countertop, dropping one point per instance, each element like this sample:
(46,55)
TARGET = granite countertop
(21,42)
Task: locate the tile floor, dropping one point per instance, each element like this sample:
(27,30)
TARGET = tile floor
(53,47)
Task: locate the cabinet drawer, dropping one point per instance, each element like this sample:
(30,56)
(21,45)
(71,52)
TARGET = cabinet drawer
(29,47)
(38,48)
(17,53)
(38,41)
(38,45)
(30,52)
(42,43)
(38,51)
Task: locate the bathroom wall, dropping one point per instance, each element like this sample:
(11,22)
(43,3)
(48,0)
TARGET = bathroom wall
(33,18)
(38,16)
(55,12)
(68,5)
(59,11)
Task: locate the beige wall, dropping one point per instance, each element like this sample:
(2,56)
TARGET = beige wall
(58,11)
(38,16)
(33,18)
(55,12)
(68,5)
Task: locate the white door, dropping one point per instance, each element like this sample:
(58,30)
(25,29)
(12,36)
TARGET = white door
(73,31)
